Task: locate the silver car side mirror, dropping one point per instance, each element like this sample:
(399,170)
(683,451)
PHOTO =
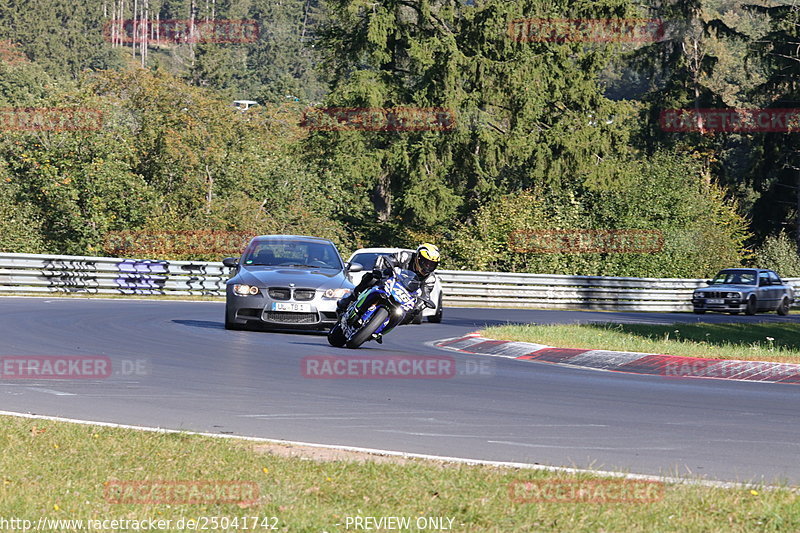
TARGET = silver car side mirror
(353,267)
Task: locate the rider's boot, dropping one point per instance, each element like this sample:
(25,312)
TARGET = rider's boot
(344,303)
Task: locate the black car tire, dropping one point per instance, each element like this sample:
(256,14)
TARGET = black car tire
(752,306)
(369,328)
(699,311)
(437,318)
(783,308)
(336,336)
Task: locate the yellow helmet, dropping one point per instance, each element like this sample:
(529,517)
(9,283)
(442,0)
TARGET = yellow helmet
(426,259)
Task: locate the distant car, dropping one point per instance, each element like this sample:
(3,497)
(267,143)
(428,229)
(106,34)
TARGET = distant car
(366,257)
(748,290)
(286,281)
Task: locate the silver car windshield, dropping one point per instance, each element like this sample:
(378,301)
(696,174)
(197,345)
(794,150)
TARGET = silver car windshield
(734,277)
(291,253)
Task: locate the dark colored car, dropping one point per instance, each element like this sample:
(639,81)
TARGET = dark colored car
(286,281)
(748,290)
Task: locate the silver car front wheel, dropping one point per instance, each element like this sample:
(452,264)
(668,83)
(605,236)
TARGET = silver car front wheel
(752,306)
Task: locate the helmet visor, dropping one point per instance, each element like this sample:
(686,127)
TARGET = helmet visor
(425,266)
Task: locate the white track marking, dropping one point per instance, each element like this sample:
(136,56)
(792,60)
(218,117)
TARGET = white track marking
(561,447)
(460,460)
(50,391)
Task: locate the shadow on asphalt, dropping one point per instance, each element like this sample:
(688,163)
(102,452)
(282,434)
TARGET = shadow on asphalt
(208,324)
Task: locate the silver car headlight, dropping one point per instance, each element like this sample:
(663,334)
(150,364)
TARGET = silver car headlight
(336,294)
(733,295)
(245,290)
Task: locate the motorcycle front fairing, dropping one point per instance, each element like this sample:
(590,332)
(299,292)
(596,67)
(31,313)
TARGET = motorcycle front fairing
(397,293)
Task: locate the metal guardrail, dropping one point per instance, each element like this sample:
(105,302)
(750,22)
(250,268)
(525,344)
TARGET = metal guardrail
(497,289)
(29,273)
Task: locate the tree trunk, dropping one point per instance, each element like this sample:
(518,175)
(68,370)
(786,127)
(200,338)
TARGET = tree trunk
(382,198)
(135,28)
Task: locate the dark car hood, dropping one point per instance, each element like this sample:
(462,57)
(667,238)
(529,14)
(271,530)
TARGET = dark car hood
(323,278)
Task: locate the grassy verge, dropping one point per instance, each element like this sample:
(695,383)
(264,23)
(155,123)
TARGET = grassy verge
(779,342)
(58,470)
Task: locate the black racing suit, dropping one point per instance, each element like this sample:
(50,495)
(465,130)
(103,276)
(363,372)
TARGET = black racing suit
(383,268)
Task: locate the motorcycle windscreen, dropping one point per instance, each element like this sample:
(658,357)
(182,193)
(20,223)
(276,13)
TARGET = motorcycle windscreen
(409,280)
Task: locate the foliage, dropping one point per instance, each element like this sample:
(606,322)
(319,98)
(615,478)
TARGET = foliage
(526,113)
(664,194)
(778,253)
(547,133)
(168,155)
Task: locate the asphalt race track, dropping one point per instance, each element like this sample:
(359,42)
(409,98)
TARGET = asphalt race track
(194,375)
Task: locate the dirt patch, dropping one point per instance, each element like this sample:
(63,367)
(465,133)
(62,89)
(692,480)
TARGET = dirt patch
(323,455)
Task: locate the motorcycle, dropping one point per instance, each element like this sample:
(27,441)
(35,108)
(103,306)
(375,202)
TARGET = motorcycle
(378,310)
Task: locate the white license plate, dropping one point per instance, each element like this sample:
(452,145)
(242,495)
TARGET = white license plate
(716,301)
(292,308)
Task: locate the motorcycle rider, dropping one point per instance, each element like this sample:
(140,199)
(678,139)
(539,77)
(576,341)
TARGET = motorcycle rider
(422,262)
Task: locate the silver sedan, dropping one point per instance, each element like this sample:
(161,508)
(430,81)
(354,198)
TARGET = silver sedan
(286,281)
(751,290)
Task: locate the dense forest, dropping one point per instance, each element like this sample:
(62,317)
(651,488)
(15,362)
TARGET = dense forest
(549,130)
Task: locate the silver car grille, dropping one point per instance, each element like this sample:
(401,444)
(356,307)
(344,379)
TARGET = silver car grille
(713,294)
(716,294)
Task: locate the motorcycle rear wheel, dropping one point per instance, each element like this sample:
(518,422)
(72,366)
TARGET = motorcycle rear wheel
(365,333)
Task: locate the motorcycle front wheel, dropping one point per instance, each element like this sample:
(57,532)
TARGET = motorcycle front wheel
(336,336)
(364,334)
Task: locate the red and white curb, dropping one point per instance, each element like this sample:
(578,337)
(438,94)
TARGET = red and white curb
(668,366)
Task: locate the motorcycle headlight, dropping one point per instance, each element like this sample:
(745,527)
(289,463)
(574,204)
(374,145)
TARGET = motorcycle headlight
(245,290)
(336,294)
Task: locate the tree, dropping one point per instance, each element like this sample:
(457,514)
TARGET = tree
(776,171)
(662,194)
(63,36)
(525,112)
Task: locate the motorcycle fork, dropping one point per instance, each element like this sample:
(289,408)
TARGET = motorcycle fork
(394,320)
